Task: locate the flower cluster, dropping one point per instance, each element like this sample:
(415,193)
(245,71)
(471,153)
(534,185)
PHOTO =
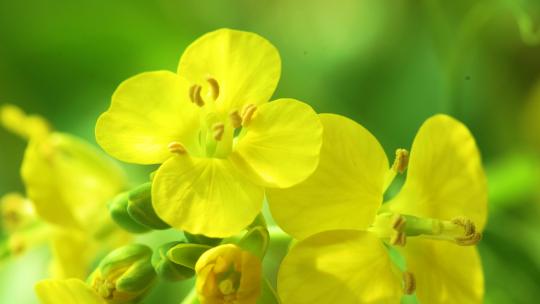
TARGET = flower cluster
(223,149)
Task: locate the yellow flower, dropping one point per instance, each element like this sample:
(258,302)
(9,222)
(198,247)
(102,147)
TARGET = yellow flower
(124,276)
(221,143)
(344,230)
(228,274)
(56,291)
(68,183)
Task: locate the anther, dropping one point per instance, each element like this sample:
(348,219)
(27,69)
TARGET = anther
(409,283)
(247,114)
(399,222)
(214,87)
(467,225)
(398,239)
(401,161)
(469,240)
(236,119)
(217,131)
(176,147)
(195,95)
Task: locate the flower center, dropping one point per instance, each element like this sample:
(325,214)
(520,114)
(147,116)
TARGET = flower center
(396,228)
(228,283)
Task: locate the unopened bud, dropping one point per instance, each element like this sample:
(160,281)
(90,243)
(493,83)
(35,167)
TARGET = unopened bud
(16,211)
(228,274)
(166,268)
(141,210)
(118,208)
(124,275)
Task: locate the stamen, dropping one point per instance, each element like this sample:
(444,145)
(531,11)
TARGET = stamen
(217,131)
(176,147)
(195,95)
(236,119)
(399,222)
(247,114)
(214,87)
(466,223)
(409,283)
(401,161)
(469,240)
(399,239)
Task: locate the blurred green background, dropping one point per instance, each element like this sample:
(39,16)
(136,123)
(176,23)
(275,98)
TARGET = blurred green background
(388,64)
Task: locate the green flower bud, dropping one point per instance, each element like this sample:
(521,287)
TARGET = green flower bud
(118,208)
(186,254)
(167,269)
(124,275)
(201,239)
(141,210)
(255,241)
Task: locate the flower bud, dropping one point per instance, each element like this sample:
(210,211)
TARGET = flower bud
(201,239)
(16,211)
(141,210)
(118,208)
(228,274)
(166,268)
(124,275)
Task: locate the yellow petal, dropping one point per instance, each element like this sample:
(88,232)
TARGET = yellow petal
(245,65)
(445,273)
(73,254)
(346,189)
(281,145)
(147,113)
(445,178)
(341,266)
(18,122)
(205,196)
(66,291)
(68,180)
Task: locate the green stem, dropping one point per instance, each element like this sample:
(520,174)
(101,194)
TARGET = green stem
(276,234)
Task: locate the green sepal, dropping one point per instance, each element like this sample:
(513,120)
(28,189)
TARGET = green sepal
(141,210)
(186,254)
(167,269)
(202,239)
(259,221)
(138,278)
(268,294)
(255,241)
(118,209)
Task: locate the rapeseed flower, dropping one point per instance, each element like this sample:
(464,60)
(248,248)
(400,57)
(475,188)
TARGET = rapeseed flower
(219,141)
(345,231)
(68,183)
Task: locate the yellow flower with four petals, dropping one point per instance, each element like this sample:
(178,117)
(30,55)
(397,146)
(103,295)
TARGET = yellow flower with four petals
(345,230)
(219,142)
